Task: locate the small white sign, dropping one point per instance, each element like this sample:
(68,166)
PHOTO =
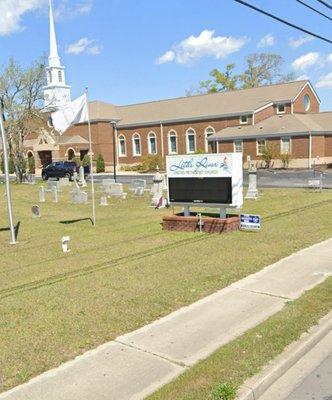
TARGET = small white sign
(250,222)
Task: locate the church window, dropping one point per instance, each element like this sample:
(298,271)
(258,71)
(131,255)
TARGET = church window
(60,76)
(122,146)
(152,143)
(50,76)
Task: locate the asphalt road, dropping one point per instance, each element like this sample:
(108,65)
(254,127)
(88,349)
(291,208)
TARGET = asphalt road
(308,379)
(265,178)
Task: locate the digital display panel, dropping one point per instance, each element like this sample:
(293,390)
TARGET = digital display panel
(200,190)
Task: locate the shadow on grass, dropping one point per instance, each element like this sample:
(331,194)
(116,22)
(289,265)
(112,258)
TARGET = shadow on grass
(74,221)
(17,228)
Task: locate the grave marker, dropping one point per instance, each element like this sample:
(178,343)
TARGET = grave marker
(41,193)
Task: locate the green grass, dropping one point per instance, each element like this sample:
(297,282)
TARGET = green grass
(235,362)
(126,272)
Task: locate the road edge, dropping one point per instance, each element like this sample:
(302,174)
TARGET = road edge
(255,386)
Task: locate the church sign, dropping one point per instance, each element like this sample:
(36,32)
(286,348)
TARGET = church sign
(209,179)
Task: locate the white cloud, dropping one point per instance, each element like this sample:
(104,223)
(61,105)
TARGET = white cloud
(307,60)
(11,12)
(300,41)
(84,45)
(325,81)
(329,58)
(266,41)
(65,11)
(303,77)
(203,45)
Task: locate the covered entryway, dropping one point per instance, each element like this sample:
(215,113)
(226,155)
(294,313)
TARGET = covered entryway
(45,157)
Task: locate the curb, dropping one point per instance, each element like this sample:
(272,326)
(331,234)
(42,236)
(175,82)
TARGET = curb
(254,387)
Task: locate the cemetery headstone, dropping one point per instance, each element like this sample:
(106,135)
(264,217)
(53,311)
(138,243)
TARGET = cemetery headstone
(52,183)
(252,192)
(65,244)
(78,196)
(138,183)
(55,194)
(82,181)
(139,191)
(116,189)
(41,193)
(64,182)
(103,201)
(35,211)
(158,200)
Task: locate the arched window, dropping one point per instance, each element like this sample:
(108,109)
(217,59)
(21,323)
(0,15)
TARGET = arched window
(70,154)
(122,146)
(209,131)
(136,144)
(60,76)
(191,141)
(152,143)
(50,76)
(172,142)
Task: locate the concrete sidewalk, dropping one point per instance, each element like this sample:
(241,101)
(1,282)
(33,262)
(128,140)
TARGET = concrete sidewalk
(138,363)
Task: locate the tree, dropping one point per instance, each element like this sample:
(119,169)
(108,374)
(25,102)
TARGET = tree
(100,164)
(263,69)
(21,94)
(221,82)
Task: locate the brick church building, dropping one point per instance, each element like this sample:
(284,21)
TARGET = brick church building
(286,116)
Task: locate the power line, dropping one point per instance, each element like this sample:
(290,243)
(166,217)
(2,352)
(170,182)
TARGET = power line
(325,4)
(284,21)
(314,9)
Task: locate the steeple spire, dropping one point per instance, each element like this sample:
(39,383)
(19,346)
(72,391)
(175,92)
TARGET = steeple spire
(54,59)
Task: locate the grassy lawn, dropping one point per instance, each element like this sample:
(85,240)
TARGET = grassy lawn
(126,272)
(235,362)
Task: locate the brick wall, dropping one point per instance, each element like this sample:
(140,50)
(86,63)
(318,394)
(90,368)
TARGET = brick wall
(298,103)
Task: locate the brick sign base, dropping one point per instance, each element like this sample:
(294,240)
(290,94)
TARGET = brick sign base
(211,225)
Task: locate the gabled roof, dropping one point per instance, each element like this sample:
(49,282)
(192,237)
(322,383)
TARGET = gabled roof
(237,102)
(279,125)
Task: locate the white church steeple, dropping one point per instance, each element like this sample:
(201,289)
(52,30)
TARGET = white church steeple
(56,93)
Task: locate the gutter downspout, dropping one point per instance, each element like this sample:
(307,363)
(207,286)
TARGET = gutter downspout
(310,149)
(162,139)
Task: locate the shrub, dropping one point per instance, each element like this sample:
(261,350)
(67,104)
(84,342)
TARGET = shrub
(86,160)
(11,165)
(268,154)
(224,391)
(31,165)
(100,164)
(200,151)
(285,159)
(151,161)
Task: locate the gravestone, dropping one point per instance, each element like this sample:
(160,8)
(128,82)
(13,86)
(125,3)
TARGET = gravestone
(116,189)
(55,194)
(139,191)
(106,185)
(103,201)
(41,193)
(82,181)
(158,200)
(35,211)
(252,192)
(64,182)
(52,183)
(138,183)
(78,196)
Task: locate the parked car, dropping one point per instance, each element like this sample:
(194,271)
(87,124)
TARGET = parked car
(60,169)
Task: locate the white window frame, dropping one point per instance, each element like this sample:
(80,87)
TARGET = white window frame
(234,144)
(281,145)
(306,96)
(60,76)
(150,135)
(278,110)
(120,138)
(190,132)
(136,136)
(258,153)
(208,132)
(172,133)
(244,122)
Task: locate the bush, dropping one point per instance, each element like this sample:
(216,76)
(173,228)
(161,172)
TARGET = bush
(268,155)
(11,165)
(31,165)
(100,164)
(86,160)
(285,159)
(200,151)
(224,391)
(150,162)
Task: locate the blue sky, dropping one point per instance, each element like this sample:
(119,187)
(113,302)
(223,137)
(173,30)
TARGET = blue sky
(129,51)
